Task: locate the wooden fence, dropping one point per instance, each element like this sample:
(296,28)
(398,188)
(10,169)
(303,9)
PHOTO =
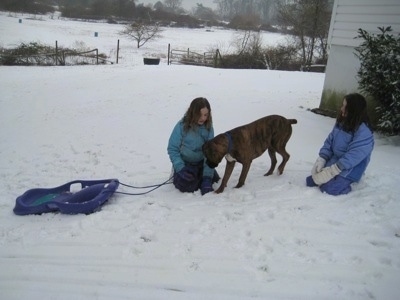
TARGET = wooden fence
(187,57)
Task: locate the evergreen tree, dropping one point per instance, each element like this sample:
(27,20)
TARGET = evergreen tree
(379,75)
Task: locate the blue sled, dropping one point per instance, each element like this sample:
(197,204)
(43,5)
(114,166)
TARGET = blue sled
(89,199)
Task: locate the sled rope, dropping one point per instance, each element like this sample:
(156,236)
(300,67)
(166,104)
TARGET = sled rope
(151,187)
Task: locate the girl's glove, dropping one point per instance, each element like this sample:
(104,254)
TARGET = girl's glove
(318,165)
(186,180)
(326,174)
(187,174)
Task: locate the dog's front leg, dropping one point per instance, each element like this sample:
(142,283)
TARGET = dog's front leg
(243,174)
(228,171)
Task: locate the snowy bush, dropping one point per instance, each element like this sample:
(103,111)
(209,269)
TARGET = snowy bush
(378,75)
(34,53)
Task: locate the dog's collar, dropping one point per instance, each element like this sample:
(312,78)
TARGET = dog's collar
(228,156)
(228,135)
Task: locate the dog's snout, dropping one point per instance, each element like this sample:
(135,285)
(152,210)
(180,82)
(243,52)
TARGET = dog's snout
(211,164)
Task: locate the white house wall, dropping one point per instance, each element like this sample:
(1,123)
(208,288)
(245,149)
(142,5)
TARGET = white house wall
(347,17)
(350,15)
(342,67)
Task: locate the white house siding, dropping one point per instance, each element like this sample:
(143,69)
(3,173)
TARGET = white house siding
(347,17)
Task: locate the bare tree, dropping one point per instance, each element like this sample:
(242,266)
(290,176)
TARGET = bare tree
(247,42)
(173,5)
(309,20)
(141,32)
(264,9)
(204,13)
(249,53)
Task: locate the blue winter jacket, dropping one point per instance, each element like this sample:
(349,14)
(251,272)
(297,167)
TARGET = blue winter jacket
(350,151)
(185,147)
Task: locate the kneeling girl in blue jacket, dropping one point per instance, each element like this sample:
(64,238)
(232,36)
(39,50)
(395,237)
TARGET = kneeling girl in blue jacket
(346,151)
(185,149)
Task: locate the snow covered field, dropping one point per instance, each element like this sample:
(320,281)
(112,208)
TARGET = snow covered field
(272,239)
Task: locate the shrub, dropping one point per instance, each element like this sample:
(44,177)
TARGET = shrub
(245,22)
(249,53)
(26,54)
(242,61)
(34,7)
(379,75)
(38,54)
(282,57)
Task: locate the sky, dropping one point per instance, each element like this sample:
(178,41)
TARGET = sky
(274,238)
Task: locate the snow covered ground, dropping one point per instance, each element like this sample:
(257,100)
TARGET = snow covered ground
(274,238)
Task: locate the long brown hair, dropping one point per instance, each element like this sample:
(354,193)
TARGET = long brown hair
(356,113)
(192,115)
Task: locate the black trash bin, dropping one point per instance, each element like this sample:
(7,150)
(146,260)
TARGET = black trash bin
(151,61)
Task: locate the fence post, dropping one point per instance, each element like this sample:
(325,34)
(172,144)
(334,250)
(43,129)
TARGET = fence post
(117,51)
(97,56)
(169,49)
(217,55)
(56,53)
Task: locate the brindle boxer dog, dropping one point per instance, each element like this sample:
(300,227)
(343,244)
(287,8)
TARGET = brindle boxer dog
(247,142)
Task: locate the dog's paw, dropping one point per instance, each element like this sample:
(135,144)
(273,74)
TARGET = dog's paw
(219,190)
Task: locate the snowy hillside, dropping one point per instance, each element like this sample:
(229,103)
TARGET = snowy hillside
(274,238)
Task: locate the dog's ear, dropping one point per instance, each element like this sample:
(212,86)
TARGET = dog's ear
(220,145)
(209,154)
(204,147)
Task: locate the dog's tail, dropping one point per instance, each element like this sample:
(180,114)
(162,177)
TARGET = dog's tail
(292,121)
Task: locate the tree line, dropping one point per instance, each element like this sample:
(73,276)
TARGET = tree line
(305,21)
